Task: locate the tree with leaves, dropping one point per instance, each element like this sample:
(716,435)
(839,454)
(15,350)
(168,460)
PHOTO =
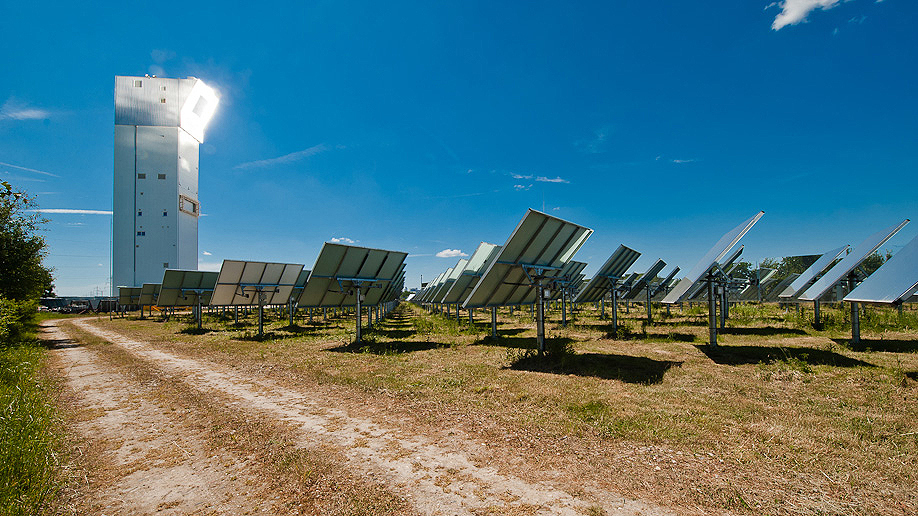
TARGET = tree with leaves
(23,276)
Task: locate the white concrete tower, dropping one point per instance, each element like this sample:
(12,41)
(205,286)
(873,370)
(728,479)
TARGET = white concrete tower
(159,124)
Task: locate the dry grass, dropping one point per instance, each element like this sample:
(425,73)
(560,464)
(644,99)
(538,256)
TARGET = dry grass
(782,419)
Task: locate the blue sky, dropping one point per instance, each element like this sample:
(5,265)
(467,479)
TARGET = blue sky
(431,126)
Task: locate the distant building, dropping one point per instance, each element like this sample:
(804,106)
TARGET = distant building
(159,124)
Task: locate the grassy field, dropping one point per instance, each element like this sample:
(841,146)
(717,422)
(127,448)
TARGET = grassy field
(31,438)
(780,419)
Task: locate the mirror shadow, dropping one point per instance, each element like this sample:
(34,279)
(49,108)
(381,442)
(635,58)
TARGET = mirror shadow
(887,345)
(743,355)
(388,348)
(628,369)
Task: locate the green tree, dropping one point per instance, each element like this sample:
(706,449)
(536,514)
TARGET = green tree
(22,250)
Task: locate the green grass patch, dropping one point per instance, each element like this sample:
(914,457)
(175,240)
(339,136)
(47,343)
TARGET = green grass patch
(29,465)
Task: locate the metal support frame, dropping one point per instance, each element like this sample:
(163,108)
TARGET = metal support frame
(816,321)
(614,310)
(712,312)
(494,322)
(855,312)
(359,316)
(540,323)
(564,308)
(649,309)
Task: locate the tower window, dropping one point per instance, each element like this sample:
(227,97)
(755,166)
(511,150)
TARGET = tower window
(141,176)
(165,265)
(139,213)
(141,233)
(188,205)
(138,83)
(165,213)
(162,101)
(161,176)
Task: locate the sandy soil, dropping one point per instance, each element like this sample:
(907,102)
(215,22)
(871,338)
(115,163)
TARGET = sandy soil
(153,461)
(446,473)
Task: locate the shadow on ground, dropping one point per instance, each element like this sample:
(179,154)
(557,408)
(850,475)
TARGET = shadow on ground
(57,343)
(741,355)
(625,368)
(764,331)
(888,345)
(388,348)
(504,340)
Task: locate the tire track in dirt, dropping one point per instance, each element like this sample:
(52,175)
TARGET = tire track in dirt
(439,480)
(152,462)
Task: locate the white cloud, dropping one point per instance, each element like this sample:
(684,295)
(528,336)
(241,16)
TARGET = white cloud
(522,188)
(28,169)
(796,11)
(556,208)
(450,253)
(544,179)
(342,240)
(683,161)
(286,158)
(520,176)
(14,109)
(205,253)
(73,212)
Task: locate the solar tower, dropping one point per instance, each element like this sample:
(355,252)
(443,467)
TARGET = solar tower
(159,124)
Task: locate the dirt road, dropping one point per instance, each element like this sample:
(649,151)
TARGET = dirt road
(154,461)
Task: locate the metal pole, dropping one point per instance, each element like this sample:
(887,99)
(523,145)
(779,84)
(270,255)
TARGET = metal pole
(614,310)
(855,323)
(649,313)
(494,322)
(540,323)
(199,313)
(563,310)
(712,313)
(260,315)
(471,319)
(602,308)
(855,313)
(816,314)
(236,315)
(723,308)
(359,316)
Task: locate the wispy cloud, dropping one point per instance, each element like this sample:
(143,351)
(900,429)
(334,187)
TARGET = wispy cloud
(417,255)
(10,165)
(342,240)
(450,253)
(205,253)
(683,161)
(796,11)
(286,158)
(543,179)
(520,176)
(597,143)
(14,109)
(522,188)
(71,211)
